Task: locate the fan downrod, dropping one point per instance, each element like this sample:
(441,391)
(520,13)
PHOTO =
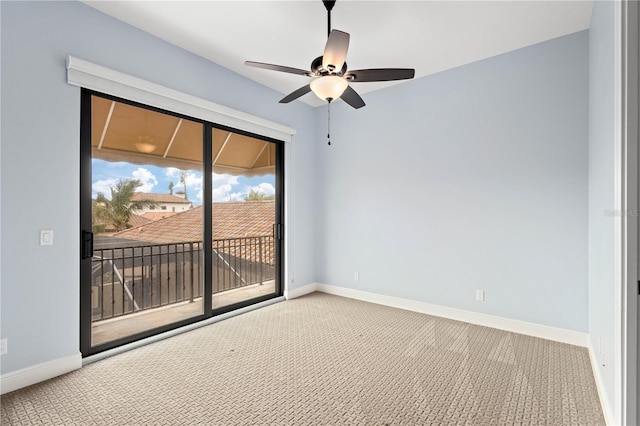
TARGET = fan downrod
(328,4)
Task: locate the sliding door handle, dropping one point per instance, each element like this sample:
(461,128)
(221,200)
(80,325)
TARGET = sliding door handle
(87,244)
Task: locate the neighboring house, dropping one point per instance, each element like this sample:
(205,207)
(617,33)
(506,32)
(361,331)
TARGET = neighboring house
(163,202)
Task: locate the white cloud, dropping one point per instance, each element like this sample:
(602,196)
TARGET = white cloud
(193,180)
(103,186)
(194,185)
(223,186)
(172,172)
(266,188)
(147,179)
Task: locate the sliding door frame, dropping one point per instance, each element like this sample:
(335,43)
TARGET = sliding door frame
(279,219)
(86,347)
(85,219)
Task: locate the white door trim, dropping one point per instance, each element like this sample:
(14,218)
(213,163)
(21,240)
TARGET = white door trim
(628,385)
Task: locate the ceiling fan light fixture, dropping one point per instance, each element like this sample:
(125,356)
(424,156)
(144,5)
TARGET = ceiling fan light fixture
(329,87)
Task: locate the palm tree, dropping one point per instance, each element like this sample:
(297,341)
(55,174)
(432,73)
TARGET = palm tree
(257,195)
(118,210)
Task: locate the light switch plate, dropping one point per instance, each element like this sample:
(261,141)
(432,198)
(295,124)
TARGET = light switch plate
(46,237)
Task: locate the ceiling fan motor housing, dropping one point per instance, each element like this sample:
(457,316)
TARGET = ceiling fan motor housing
(318,70)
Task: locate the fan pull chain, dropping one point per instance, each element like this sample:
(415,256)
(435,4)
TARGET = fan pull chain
(329,123)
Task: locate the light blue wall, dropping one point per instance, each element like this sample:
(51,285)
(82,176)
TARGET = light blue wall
(602,189)
(40,158)
(474,178)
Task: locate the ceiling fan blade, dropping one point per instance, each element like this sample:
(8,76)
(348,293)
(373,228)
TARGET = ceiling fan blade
(380,74)
(335,51)
(295,95)
(351,97)
(280,68)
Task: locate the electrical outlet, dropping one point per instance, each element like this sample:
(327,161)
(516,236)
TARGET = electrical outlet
(356,276)
(3,346)
(480,295)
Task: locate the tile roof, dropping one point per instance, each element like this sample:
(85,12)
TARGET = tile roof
(137,220)
(153,216)
(134,221)
(230,220)
(158,198)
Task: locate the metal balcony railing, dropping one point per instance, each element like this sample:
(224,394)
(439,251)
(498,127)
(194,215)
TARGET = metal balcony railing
(130,279)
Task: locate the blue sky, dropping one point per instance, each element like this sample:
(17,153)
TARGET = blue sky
(156,180)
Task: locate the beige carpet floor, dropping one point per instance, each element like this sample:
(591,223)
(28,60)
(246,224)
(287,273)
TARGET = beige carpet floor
(322,359)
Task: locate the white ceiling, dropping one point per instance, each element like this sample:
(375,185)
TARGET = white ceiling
(430,36)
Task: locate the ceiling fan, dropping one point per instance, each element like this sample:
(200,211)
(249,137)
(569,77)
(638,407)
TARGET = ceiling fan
(330,74)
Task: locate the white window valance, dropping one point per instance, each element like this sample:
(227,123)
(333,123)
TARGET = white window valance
(101,79)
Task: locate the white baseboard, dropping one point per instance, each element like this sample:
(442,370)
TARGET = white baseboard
(522,327)
(597,375)
(301,291)
(28,376)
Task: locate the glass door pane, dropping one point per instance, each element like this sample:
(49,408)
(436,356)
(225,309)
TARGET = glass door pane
(147,269)
(244,218)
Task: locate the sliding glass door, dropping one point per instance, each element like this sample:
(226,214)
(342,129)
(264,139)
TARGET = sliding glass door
(180,220)
(244,221)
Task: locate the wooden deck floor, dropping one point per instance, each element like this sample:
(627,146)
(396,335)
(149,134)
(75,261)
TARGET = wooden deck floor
(115,328)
